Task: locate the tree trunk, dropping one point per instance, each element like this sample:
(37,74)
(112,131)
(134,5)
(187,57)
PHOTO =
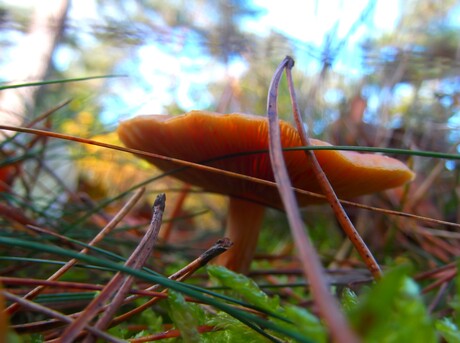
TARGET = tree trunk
(31,62)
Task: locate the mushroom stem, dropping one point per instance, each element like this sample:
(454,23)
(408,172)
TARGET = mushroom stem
(244,222)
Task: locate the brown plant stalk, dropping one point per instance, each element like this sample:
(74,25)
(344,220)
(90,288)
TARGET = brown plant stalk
(119,285)
(327,188)
(311,264)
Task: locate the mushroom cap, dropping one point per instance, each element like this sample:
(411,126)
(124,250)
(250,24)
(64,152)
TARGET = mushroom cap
(207,138)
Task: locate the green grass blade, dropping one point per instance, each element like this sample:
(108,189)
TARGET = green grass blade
(247,318)
(51,82)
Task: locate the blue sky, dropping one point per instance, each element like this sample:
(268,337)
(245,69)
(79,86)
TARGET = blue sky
(308,22)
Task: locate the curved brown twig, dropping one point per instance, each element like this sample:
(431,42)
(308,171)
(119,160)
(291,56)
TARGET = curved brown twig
(327,188)
(311,265)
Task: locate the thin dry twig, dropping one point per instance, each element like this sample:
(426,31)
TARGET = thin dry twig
(137,260)
(327,188)
(439,295)
(433,272)
(17,281)
(61,240)
(54,314)
(311,264)
(444,278)
(15,214)
(47,113)
(173,333)
(221,246)
(119,285)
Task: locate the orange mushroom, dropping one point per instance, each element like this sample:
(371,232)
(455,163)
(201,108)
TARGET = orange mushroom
(206,137)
